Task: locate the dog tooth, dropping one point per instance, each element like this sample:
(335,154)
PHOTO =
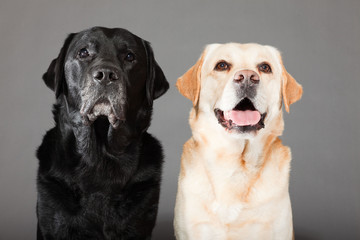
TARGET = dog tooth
(226,115)
(111,118)
(92,117)
(113,121)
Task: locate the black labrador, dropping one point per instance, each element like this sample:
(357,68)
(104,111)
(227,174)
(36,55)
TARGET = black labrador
(99,170)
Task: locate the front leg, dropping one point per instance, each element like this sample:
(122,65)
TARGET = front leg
(57,207)
(193,219)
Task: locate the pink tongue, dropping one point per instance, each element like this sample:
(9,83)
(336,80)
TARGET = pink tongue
(243,118)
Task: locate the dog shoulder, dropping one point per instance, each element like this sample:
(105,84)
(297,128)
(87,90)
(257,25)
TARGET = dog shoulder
(281,154)
(152,149)
(189,153)
(46,150)
(150,160)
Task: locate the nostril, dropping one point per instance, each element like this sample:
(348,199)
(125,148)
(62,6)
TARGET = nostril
(113,76)
(98,75)
(254,78)
(105,75)
(246,76)
(239,78)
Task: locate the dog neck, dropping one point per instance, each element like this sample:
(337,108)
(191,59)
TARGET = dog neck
(96,140)
(80,146)
(234,161)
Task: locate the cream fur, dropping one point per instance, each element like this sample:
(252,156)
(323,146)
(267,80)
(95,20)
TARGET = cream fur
(232,185)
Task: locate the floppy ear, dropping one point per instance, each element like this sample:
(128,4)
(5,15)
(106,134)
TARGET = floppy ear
(189,83)
(156,84)
(291,90)
(54,77)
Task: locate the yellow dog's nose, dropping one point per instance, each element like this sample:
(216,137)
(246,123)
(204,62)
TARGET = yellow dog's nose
(245,76)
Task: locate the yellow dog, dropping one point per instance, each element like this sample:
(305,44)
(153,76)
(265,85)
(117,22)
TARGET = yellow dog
(234,175)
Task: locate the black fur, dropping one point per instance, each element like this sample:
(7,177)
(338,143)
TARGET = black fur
(99,179)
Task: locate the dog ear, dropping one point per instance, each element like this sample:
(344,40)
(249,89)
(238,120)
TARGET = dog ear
(291,90)
(156,84)
(189,83)
(54,77)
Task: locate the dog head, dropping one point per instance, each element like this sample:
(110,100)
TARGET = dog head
(240,86)
(106,72)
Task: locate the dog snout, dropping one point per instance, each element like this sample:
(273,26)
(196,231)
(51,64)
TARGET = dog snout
(105,75)
(244,76)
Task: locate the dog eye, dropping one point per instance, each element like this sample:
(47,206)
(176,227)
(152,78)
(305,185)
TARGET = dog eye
(130,57)
(222,66)
(265,68)
(83,53)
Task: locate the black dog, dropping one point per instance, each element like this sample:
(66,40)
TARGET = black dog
(99,170)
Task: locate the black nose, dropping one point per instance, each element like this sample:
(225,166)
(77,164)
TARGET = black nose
(105,75)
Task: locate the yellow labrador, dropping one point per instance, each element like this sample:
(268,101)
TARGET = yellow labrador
(234,175)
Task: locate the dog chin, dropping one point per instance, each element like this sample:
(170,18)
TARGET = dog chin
(242,135)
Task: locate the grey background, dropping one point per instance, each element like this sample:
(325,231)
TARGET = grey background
(320,41)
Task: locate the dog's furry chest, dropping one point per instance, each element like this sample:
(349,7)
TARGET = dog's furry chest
(230,195)
(102,206)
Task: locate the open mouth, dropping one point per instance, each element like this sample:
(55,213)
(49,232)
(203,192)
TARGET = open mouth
(243,118)
(103,108)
